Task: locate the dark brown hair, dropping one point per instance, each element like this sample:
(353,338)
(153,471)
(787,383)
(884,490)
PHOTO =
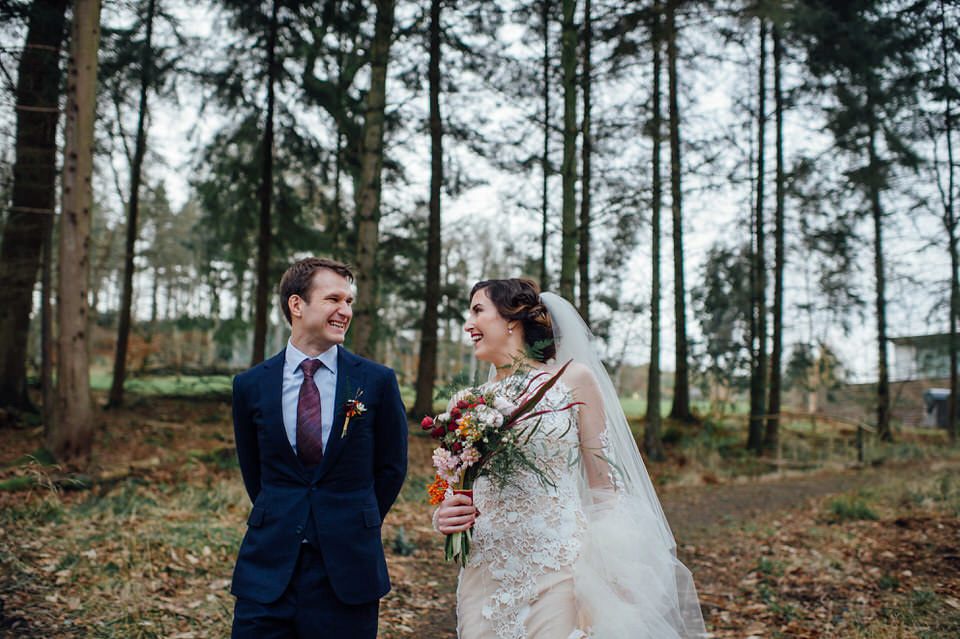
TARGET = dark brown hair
(297,279)
(519,300)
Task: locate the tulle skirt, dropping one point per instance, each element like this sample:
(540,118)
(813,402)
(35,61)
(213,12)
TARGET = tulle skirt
(628,580)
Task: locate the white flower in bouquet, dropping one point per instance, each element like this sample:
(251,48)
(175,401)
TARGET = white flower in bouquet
(504,405)
(489,417)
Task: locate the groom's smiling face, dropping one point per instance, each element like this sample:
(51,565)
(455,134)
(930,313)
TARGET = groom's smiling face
(324,319)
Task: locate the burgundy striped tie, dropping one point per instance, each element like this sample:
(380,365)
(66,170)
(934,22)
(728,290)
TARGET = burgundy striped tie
(309,425)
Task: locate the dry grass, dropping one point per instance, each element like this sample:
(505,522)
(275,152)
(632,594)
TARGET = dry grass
(143,558)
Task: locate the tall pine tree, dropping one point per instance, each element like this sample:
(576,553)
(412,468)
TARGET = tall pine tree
(865,55)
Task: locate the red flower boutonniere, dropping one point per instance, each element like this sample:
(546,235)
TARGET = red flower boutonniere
(353,408)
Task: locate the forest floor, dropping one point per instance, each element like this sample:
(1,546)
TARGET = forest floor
(142,545)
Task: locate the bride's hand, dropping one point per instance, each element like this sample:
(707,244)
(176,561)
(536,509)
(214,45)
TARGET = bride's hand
(456,513)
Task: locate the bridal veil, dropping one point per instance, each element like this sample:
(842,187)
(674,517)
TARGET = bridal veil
(628,581)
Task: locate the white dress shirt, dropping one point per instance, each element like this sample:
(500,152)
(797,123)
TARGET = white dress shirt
(326,380)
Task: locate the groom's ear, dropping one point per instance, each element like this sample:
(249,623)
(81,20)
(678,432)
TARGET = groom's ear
(294,303)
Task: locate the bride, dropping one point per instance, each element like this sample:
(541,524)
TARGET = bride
(591,555)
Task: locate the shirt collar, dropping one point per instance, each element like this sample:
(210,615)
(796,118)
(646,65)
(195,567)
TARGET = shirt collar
(293,356)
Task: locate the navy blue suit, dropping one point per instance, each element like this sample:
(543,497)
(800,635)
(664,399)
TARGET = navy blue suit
(339,504)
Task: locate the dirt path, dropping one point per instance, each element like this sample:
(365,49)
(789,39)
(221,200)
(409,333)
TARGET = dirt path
(695,509)
(693,512)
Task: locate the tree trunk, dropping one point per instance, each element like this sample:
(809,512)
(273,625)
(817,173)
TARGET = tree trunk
(776,349)
(264,285)
(545,164)
(758,270)
(954,339)
(338,248)
(70,436)
(337,243)
(368,196)
(586,153)
(427,369)
(154,302)
(950,222)
(681,390)
(34,192)
(652,438)
(334,96)
(238,306)
(883,381)
(136,168)
(46,329)
(568,55)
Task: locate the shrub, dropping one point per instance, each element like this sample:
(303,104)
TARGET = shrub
(850,508)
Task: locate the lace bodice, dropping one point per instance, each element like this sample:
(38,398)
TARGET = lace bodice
(527,529)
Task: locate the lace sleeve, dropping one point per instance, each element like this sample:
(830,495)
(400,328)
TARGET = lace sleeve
(436,513)
(592,431)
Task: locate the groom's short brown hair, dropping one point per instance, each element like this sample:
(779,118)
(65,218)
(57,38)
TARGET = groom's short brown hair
(297,279)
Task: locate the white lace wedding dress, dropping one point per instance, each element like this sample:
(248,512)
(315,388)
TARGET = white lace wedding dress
(518,582)
(570,561)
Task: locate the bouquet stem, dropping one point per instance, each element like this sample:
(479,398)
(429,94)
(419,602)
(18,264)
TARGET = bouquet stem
(457,545)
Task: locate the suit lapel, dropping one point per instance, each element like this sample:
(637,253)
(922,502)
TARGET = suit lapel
(273,410)
(349,382)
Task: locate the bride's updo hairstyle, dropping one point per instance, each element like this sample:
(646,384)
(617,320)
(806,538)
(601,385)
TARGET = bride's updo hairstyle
(519,300)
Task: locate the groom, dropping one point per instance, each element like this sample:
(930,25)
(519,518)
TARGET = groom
(322,442)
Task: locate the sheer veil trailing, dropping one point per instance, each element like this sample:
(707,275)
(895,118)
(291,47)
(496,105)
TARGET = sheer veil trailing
(628,579)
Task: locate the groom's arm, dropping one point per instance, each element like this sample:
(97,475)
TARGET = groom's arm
(390,445)
(245,435)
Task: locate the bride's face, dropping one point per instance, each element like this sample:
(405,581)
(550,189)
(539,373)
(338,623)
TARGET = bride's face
(492,340)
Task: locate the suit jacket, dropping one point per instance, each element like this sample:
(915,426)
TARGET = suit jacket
(345,497)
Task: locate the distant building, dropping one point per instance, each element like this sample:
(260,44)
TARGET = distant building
(935,403)
(920,357)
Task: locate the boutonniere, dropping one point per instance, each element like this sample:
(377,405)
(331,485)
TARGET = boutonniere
(353,408)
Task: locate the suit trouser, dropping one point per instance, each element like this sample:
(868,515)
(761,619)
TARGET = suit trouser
(308,609)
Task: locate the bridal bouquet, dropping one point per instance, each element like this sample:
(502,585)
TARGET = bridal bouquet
(484,434)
